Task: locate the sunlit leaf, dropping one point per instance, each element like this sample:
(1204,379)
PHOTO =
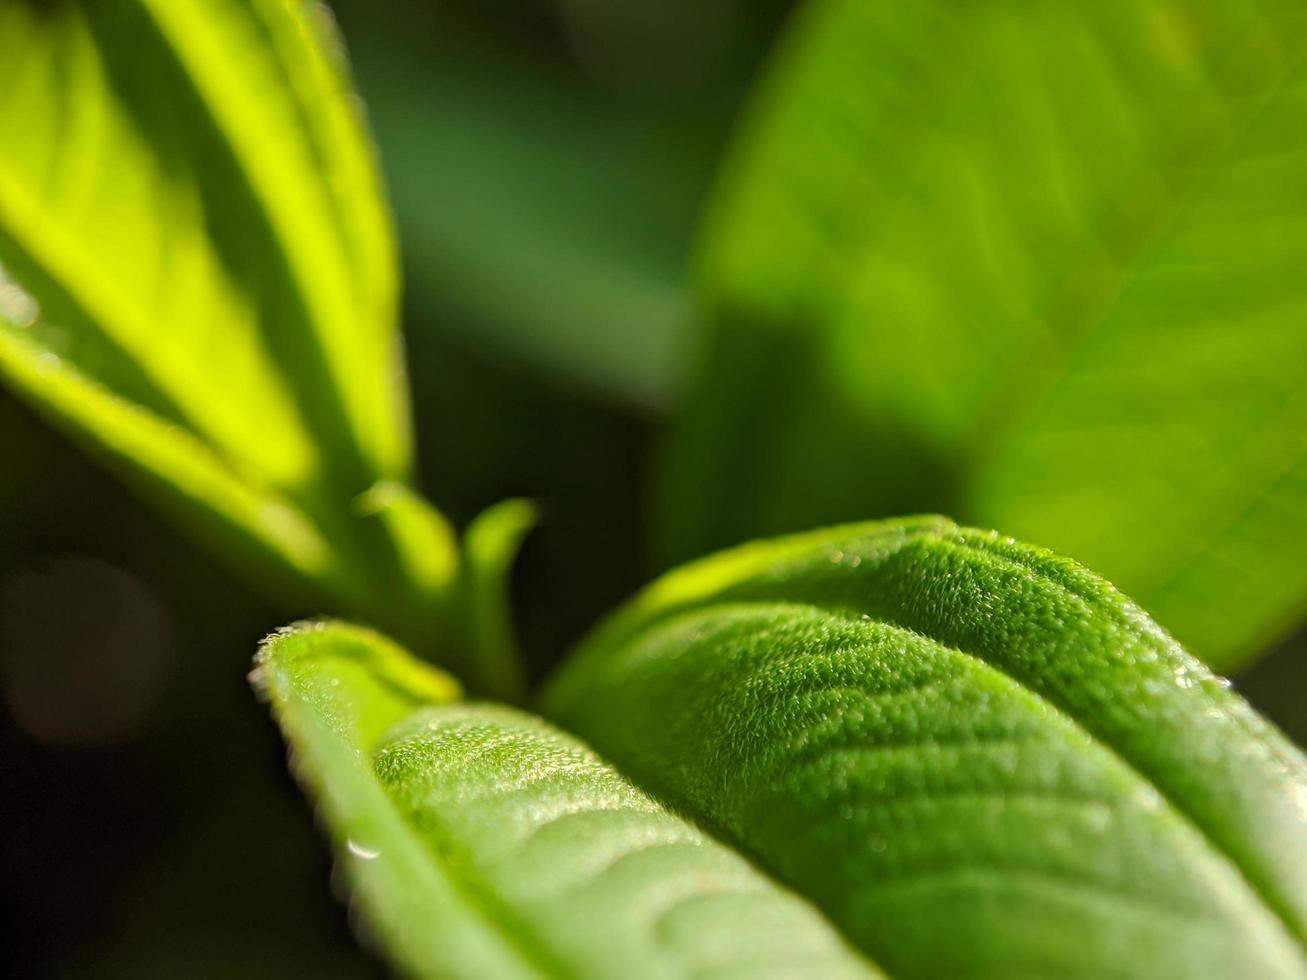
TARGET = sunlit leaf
(977,758)
(198,273)
(1035,265)
(480,842)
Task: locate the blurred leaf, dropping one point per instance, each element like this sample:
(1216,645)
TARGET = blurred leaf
(1036,264)
(977,758)
(483,843)
(199,275)
(542,218)
(490,548)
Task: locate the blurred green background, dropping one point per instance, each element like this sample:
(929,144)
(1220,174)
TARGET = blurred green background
(547,161)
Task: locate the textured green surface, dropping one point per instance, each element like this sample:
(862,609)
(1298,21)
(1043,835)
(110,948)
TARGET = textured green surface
(481,842)
(197,273)
(979,759)
(1034,264)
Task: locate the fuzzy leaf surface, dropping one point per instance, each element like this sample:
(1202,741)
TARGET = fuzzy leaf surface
(977,758)
(482,842)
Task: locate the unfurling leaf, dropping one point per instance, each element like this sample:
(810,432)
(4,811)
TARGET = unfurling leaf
(976,758)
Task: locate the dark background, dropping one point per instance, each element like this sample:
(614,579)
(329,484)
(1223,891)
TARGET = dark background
(546,162)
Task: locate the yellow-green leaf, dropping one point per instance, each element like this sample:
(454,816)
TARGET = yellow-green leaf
(198,274)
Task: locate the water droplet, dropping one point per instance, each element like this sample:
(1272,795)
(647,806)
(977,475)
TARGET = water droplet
(16,305)
(1149,798)
(360,851)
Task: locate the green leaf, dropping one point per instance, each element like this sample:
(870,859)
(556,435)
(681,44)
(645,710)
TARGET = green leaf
(977,758)
(198,274)
(481,842)
(1032,264)
(490,547)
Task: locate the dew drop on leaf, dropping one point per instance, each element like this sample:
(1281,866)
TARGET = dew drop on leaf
(361,851)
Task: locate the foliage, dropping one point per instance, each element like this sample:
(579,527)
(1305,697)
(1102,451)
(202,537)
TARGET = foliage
(159,204)
(977,758)
(1032,265)
(487,843)
(1032,262)
(273,416)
